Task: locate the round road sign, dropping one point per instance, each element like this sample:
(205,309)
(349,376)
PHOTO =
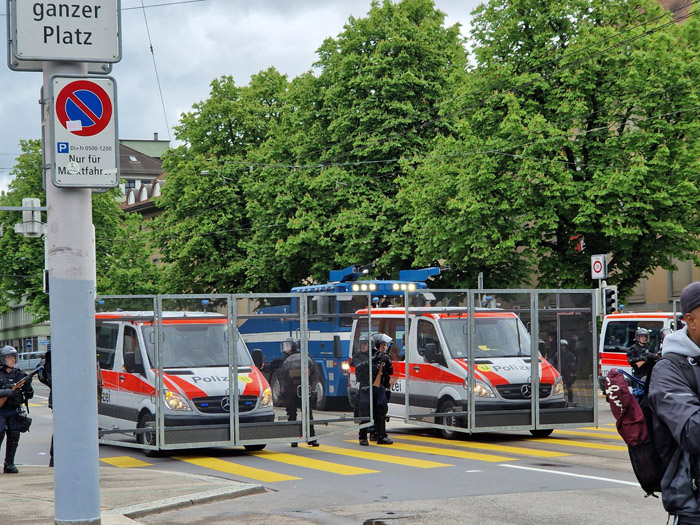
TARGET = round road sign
(597,266)
(83,108)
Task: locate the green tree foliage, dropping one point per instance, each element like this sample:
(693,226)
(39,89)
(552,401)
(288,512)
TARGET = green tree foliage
(575,122)
(203,226)
(22,258)
(122,254)
(125,267)
(580,123)
(376,99)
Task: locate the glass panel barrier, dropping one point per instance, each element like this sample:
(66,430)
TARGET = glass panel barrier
(127,376)
(567,339)
(195,360)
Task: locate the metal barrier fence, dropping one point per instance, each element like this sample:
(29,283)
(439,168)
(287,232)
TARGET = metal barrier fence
(193,371)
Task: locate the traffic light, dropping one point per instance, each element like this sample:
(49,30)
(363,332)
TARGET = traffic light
(610,299)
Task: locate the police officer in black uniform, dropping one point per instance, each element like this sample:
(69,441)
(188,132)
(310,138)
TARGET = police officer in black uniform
(289,374)
(10,377)
(640,356)
(381,363)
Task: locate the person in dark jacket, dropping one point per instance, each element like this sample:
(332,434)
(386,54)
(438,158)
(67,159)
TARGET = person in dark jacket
(676,415)
(366,378)
(568,368)
(640,355)
(15,389)
(289,373)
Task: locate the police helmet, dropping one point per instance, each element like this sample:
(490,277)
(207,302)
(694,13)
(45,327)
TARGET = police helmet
(362,341)
(5,352)
(289,345)
(378,339)
(641,332)
(563,342)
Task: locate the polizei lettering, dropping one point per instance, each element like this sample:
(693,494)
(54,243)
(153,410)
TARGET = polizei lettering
(54,13)
(209,379)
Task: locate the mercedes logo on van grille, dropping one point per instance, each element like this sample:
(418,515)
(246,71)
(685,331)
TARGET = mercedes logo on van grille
(225,405)
(525,391)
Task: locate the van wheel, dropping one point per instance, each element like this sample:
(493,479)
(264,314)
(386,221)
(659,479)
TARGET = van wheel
(321,399)
(447,407)
(253,448)
(148,438)
(276,388)
(542,432)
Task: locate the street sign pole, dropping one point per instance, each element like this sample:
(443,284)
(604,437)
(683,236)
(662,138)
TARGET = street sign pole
(70,246)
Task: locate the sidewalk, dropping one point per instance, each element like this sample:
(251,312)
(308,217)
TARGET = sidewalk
(124,493)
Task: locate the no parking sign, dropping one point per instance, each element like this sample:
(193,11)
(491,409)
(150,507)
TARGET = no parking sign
(85,153)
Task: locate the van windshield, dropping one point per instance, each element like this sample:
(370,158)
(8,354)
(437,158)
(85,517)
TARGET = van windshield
(620,335)
(493,337)
(194,345)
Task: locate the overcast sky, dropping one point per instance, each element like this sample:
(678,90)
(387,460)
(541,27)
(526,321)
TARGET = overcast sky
(194,42)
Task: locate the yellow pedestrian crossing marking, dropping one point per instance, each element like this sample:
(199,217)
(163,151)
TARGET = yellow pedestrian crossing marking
(444,452)
(600,429)
(574,443)
(125,462)
(385,458)
(36,404)
(316,464)
(229,467)
(482,446)
(587,434)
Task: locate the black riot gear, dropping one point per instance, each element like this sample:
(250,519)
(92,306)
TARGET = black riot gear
(10,412)
(5,352)
(289,373)
(369,377)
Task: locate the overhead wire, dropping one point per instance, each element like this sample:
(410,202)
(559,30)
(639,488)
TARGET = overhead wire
(155,68)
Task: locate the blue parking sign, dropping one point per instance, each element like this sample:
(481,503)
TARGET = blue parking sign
(62,147)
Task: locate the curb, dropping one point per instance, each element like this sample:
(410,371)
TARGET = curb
(207,496)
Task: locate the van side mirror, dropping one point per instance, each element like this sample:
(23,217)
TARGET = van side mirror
(433,355)
(131,366)
(258,357)
(337,349)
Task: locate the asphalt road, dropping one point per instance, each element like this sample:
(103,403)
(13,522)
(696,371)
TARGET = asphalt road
(575,476)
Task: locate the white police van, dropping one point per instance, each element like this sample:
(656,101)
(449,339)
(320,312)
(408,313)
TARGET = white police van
(432,355)
(195,374)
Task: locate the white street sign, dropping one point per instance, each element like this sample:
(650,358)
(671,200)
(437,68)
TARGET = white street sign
(83,119)
(79,30)
(599,266)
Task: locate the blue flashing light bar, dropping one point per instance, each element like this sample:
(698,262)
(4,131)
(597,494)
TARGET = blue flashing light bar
(423,274)
(351,273)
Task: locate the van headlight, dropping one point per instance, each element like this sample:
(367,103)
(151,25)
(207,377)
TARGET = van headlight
(175,401)
(481,389)
(266,398)
(558,386)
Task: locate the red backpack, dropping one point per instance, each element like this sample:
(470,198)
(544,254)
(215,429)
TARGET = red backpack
(633,420)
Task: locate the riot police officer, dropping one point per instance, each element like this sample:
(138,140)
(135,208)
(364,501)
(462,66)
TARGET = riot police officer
(377,379)
(289,374)
(640,356)
(15,389)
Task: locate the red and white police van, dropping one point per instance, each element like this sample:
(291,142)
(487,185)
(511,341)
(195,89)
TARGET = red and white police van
(618,332)
(436,345)
(195,373)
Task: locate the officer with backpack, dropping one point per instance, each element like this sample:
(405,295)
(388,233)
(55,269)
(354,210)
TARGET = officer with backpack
(675,405)
(289,372)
